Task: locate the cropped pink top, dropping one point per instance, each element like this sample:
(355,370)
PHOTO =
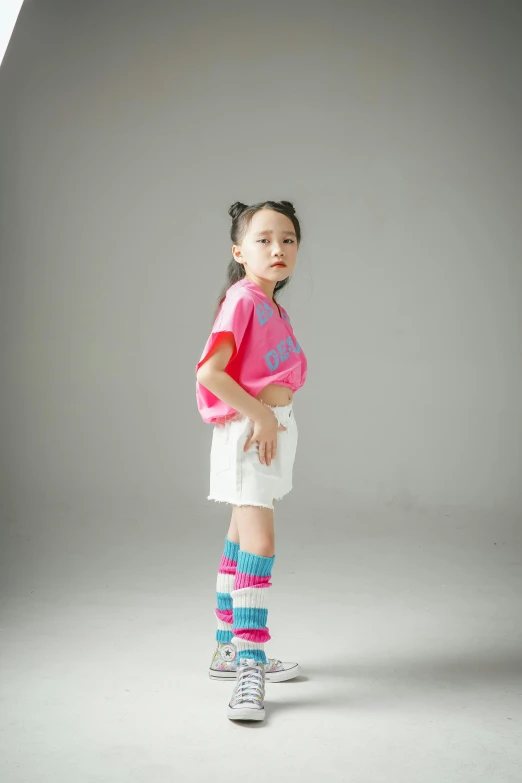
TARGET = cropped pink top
(266,348)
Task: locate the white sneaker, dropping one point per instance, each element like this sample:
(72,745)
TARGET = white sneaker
(248,697)
(223,666)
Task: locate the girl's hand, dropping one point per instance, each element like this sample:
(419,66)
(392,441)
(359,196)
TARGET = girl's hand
(265,432)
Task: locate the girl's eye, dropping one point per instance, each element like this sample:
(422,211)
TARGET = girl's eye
(286,240)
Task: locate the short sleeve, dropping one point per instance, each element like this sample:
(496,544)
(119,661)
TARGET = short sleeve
(235,318)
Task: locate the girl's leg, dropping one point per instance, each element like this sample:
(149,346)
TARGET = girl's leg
(252,580)
(225,584)
(258,533)
(224,587)
(228,566)
(255,529)
(233,532)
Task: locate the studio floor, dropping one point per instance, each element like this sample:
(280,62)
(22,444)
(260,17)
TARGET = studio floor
(407,626)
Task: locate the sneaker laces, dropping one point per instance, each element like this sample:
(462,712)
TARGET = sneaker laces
(250,681)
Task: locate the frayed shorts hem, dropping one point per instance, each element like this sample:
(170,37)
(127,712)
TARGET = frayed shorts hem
(246,502)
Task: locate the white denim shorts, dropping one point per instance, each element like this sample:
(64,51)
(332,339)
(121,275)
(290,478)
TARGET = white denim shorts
(237,476)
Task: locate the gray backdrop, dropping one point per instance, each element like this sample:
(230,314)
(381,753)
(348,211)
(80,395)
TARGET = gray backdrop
(126,131)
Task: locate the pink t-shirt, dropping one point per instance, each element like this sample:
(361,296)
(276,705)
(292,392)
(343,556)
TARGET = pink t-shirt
(266,348)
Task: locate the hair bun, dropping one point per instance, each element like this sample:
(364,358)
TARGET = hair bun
(236,209)
(289,206)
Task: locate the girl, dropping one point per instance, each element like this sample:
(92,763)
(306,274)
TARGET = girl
(250,368)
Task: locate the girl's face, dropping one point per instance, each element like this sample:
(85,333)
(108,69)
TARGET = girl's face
(270,238)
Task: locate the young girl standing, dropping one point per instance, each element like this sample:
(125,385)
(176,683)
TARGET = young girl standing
(246,378)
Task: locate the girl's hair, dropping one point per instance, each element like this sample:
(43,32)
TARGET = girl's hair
(242,215)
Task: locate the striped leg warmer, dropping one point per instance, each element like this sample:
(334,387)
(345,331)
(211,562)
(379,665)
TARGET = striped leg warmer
(224,586)
(249,605)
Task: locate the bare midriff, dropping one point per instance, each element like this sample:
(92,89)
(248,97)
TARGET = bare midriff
(275,394)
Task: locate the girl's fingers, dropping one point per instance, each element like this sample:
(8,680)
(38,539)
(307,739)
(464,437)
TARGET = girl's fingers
(267,450)
(264,453)
(269,453)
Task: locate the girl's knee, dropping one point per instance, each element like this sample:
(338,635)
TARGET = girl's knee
(265,549)
(256,530)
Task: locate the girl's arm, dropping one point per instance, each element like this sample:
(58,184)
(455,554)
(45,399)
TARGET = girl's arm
(213,377)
